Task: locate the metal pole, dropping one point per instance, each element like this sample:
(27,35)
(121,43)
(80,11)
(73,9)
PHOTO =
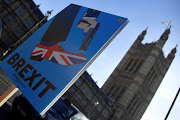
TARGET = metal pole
(168,25)
(172,105)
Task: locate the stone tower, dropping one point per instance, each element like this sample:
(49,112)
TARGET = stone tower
(135,80)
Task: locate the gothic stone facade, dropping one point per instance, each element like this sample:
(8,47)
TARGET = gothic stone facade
(130,88)
(89,98)
(135,80)
(18,18)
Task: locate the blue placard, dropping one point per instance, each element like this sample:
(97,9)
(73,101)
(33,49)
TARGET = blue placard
(52,59)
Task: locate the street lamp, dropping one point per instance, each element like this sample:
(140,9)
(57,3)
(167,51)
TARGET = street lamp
(96,103)
(48,13)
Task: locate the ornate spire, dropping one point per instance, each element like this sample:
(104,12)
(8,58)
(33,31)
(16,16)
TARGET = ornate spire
(165,35)
(174,50)
(141,36)
(172,53)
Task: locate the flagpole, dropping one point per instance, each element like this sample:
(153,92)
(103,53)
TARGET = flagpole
(168,24)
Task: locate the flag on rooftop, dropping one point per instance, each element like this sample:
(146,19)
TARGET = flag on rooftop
(166,23)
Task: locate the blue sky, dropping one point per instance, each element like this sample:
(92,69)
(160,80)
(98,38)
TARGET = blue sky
(142,14)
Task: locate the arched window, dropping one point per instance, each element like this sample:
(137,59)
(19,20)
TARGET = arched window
(136,107)
(131,103)
(133,65)
(129,64)
(139,65)
(120,94)
(148,75)
(151,77)
(110,90)
(115,91)
(151,83)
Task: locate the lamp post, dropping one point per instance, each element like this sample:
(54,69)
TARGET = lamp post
(22,39)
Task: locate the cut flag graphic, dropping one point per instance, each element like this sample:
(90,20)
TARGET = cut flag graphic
(57,55)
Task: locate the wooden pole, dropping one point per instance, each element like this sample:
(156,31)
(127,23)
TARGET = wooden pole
(7,94)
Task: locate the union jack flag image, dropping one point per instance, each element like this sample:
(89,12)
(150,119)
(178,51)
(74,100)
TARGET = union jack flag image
(58,55)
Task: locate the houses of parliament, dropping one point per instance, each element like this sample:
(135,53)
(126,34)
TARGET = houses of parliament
(130,88)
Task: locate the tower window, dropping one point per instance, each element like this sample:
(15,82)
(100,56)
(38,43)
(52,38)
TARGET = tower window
(89,95)
(8,41)
(8,19)
(163,37)
(29,22)
(83,103)
(99,107)
(123,117)
(94,115)
(134,64)
(110,90)
(71,90)
(152,81)
(20,10)
(78,82)
(9,1)
(78,98)
(105,113)
(19,31)
(151,77)
(1,8)
(139,65)
(133,107)
(148,75)
(128,65)
(115,91)
(120,94)
(85,89)
(136,108)
(100,118)
(133,101)
(3,46)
